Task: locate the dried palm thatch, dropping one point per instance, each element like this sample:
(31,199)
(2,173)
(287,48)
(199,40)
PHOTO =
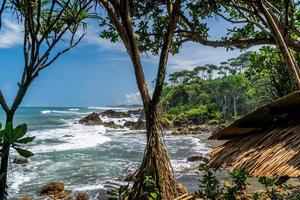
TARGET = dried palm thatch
(265,142)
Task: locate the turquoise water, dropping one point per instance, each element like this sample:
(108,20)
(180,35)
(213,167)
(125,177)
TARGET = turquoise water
(86,158)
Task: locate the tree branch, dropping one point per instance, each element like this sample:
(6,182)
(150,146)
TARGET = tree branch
(3,103)
(173,18)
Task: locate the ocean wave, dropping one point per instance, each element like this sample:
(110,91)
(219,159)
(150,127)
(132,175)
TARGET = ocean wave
(46,111)
(73,109)
(69,111)
(74,136)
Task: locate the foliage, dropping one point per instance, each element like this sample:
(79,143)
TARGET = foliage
(239,178)
(150,188)
(270,186)
(209,94)
(16,137)
(118,193)
(209,184)
(256,195)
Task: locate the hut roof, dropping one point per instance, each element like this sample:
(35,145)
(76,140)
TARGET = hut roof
(265,142)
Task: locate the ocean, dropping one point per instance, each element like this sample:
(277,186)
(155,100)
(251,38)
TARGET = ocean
(86,158)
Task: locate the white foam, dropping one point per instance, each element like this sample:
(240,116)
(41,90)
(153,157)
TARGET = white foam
(88,187)
(69,111)
(74,109)
(19,179)
(76,137)
(46,111)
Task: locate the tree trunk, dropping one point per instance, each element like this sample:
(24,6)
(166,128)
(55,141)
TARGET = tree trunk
(234,107)
(4,162)
(156,163)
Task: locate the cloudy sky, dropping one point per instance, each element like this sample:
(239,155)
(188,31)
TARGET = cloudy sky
(95,73)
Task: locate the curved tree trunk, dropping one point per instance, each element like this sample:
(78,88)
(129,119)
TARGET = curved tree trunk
(156,163)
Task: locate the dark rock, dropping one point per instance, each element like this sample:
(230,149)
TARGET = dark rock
(53,188)
(111,124)
(67,136)
(20,160)
(180,122)
(130,177)
(91,119)
(114,114)
(82,196)
(196,158)
(134,112)
(139,125)
(142,117)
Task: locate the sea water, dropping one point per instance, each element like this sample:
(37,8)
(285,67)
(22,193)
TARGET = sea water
(86,158)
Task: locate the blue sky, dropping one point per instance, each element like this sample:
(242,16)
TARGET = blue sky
(96,72)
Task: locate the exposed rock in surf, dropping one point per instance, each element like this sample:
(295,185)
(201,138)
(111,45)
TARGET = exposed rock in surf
(114,114)
(134,112)
(53,188)
(82,196)
(142,117)
(20,160)
(111,124)
(130,177)
(193,130)
(91,119)
(139,125)
(67,136)
(197,158)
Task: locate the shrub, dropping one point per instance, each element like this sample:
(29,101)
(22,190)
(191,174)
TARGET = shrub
(209,184)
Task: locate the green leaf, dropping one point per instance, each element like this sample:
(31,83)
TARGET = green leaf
(25,140)
(23,152)
(20,131)
(153,195)
(9,132)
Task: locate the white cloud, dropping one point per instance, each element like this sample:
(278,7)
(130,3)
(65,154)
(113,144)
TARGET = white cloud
(133,98)
(92,38)
(193,54)
(10,34)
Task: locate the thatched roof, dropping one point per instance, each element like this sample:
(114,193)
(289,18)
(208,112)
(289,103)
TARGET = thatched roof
(265,142)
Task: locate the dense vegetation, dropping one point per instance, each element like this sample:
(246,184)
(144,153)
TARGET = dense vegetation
(216,94)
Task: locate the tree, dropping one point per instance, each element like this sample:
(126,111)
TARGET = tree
(47,26)
(258,22)
(130,21)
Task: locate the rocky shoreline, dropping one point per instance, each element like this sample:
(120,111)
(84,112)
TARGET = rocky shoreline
(130,120)
(178,127)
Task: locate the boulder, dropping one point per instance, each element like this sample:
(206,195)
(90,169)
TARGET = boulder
(180,122)
(196,158)
(114,114)
(139,125)
(134,112)
(53,188)
(91,119)
(82,196)
(20,160)
(130,177)
(111,124)
(68,136)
